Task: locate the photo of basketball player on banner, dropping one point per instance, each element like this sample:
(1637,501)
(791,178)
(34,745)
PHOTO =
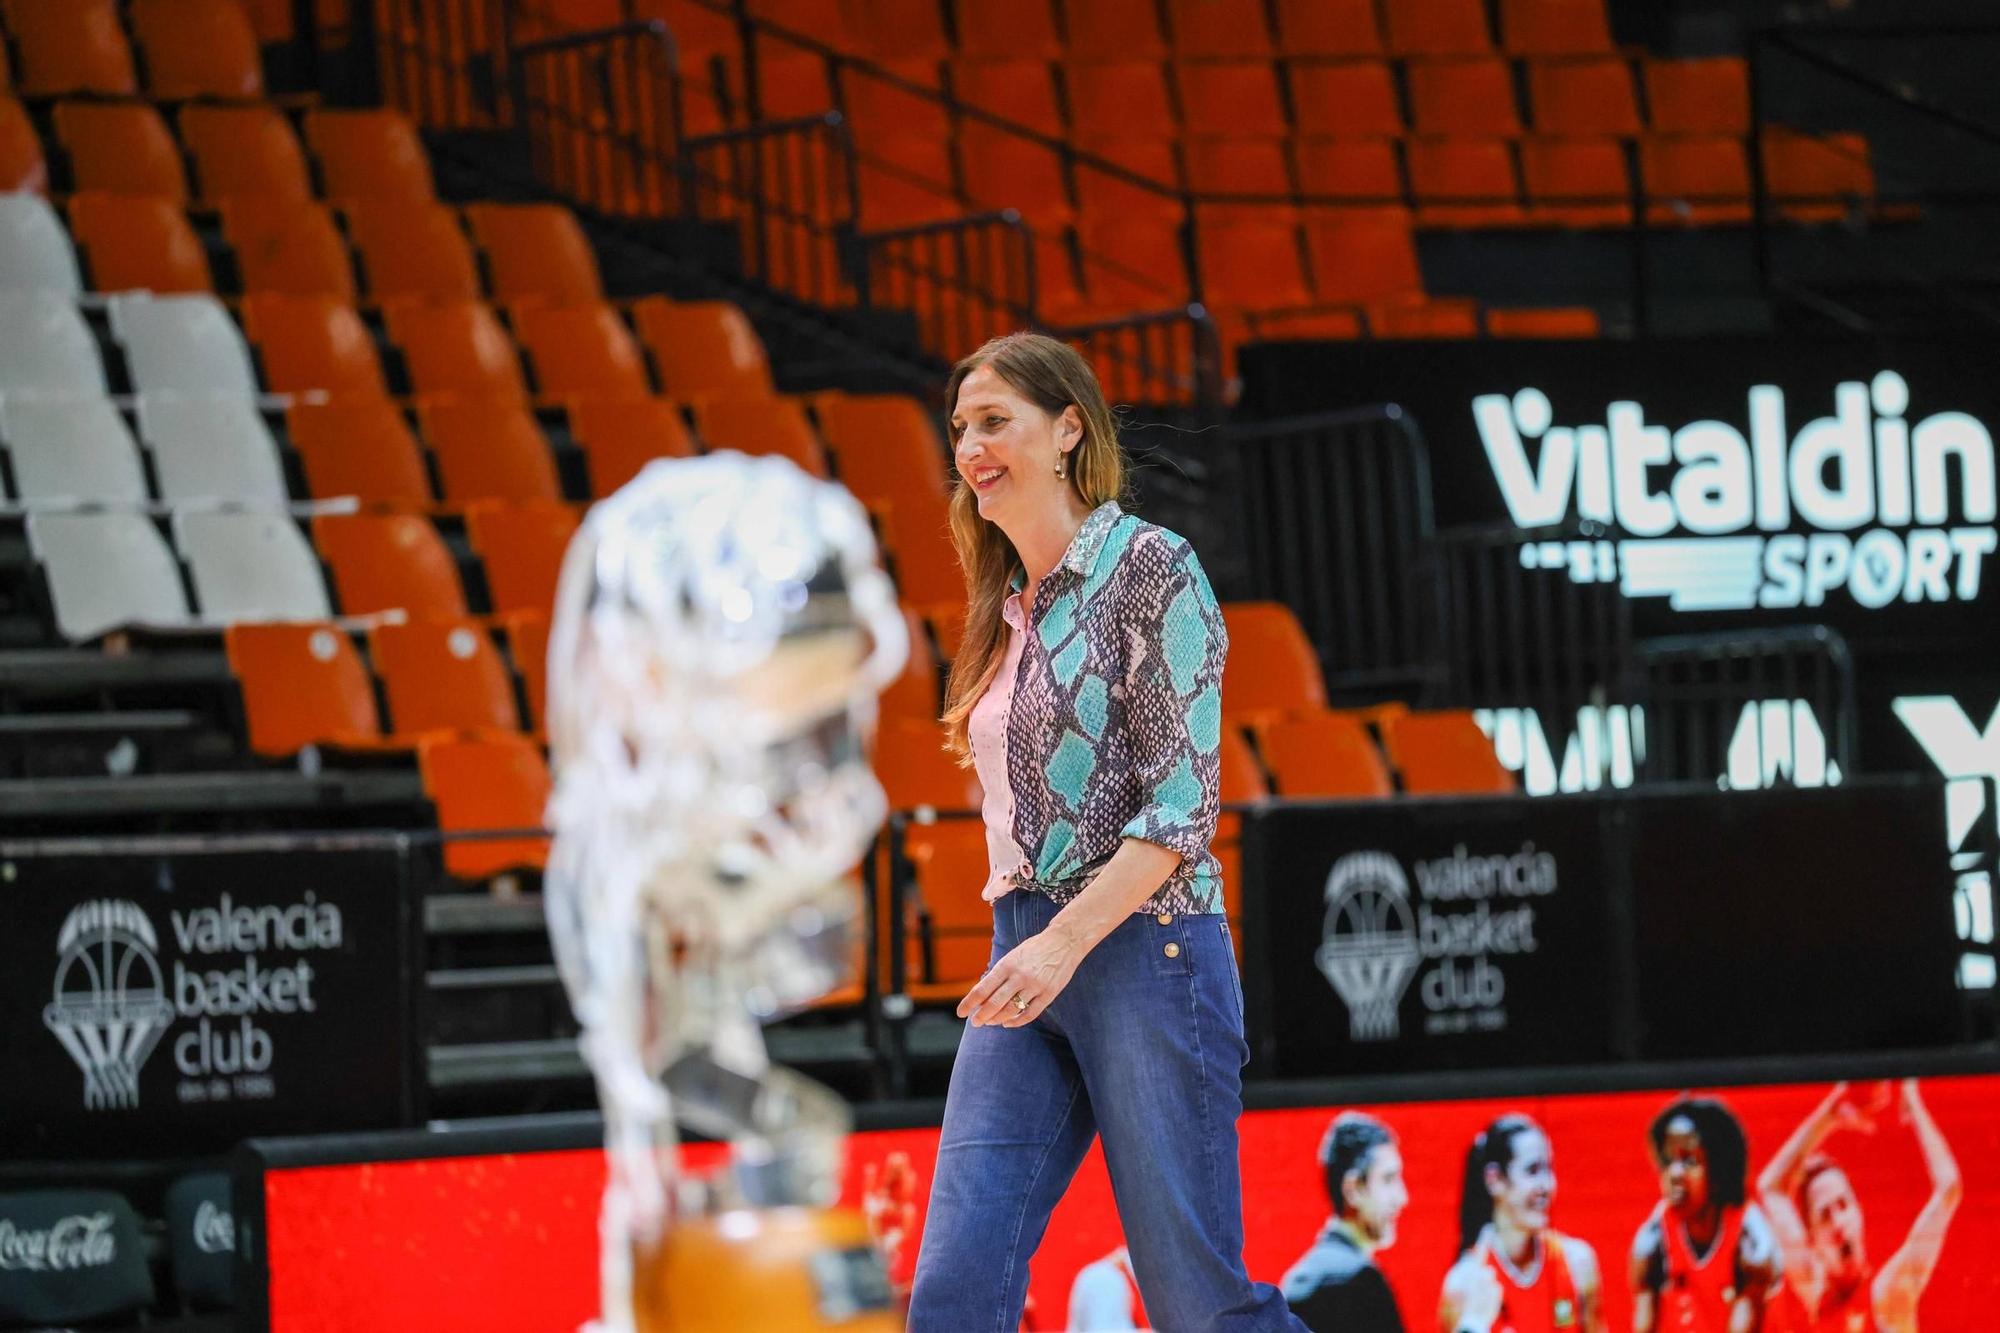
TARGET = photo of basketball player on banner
(1515,1272)
(1335,1286)
(1831,1286)
(1705,1261)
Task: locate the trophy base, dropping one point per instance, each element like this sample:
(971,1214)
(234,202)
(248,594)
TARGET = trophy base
(763,1270)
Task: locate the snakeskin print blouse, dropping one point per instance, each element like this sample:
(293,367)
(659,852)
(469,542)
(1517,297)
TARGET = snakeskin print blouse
(1115,725)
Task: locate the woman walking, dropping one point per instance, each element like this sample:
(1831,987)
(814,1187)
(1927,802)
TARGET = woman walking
(1087,693)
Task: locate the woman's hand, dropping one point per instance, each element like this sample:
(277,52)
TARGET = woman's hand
(1035,970)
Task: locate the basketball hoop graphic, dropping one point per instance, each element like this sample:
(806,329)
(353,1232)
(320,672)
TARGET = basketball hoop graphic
(1369,947)
(110,1007)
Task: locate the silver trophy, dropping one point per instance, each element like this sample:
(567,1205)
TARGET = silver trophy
(722,629)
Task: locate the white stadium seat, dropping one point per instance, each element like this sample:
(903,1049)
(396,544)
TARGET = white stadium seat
(46,348)
(35,251)
(71,449)
(211,448)
(251,566)
(182,344)
(106,570)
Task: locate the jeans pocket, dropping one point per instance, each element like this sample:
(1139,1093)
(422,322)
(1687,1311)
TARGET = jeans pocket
(1229,965)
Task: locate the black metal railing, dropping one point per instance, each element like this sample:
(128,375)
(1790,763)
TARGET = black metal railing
(1165,357)
(965,280)
(1336,518)
(1749,709)
(787,190)
(601,116)
(445,61)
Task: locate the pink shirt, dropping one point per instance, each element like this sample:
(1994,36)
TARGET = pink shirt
(986,728)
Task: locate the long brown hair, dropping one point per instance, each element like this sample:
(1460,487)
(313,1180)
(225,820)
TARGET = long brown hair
(1052,375)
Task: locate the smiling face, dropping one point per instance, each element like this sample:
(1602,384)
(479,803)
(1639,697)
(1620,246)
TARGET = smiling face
(1834,1225)
(1522,1194)
(1683,1168)
(1006,448)
(1375,1198)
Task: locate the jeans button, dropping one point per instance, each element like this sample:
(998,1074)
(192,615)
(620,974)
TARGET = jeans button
(1166,918)
(1173,950)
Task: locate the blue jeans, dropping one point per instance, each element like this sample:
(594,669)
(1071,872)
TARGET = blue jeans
(1145,1047)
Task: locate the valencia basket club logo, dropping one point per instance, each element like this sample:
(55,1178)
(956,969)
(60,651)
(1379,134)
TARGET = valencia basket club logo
(1368,947)
(110,1006)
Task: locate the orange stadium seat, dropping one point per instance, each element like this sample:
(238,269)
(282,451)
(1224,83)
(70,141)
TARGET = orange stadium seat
(1114,29)
(1555,27)
(1272,667)
(703,347)
(950,862)
(488,449)
(528,646)
(123,147)
(535,252)
(918,542)
(1231,99)
(483,784)
(905,180)
(874,106)
(914,694)
(1470,96)
(619,436)
(1443,753)
(389,562)
(1328,28)
(1703,181)
(1423,317)
(1583,97)
(1013,89)
(288,245)
(272,20)
(1102,193)
(70,46)
(761,426)
(522,548)
(1118,99)
(442,675)
(1577,182)
(1349,99)
(1240,167)
(1365,171)
(456,348)
(792,83)
(1437,27)
(244,151)
(581,349)
(887,446)
(22,163)
(1554,322)
(699,31)
(1132,264)
(361,447)
(137,243)
(1243,781)
(197,48)
(407,248)
(303,684)
(1018,29)
(307,342)
(1250,264)
(1004,170)
(1362,254)
(369,154)
(890,30)
(824,21)
(1326,755)
(1817,177)
(1464,183)
(1218,29)
(918,773)
(1704,96)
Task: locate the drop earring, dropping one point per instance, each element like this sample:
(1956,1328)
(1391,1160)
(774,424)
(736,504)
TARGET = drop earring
(1059,465)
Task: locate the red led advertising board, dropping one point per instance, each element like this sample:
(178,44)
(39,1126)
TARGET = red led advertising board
(1880,1201)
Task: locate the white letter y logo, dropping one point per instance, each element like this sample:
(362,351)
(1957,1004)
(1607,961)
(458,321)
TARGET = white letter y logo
(1960,752)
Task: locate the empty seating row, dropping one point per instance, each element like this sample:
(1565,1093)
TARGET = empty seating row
(108,568)
(187,48)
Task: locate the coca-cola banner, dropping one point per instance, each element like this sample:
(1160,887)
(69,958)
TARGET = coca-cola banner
(177,995)
(1501,932)
(70,1255)
(1859,1204)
